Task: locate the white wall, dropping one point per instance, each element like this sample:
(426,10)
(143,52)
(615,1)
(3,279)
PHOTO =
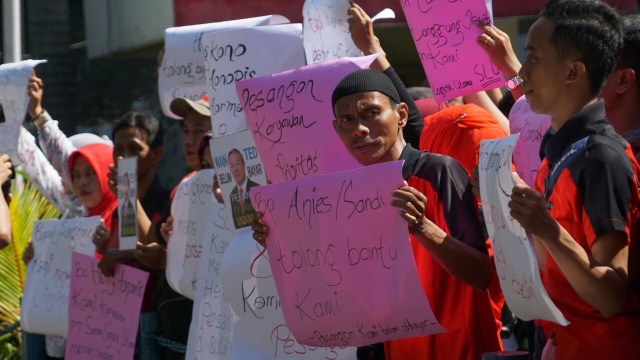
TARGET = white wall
(113,26)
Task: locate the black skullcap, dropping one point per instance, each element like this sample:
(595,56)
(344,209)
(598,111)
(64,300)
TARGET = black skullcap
(364,81)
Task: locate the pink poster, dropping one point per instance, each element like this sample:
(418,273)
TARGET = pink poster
(103,311)
(290,117)
(445,34)
(531,127)
(341,258)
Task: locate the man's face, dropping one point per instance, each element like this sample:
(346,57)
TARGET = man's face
(542,71)
(369,124)
(132,141)
(194,127)
(236,164)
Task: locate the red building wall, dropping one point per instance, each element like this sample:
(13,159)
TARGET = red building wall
(189,12)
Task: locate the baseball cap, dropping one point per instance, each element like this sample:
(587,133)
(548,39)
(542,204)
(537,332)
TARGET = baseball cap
(181,106)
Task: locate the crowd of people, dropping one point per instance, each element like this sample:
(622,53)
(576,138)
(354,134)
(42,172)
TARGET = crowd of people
(582,212)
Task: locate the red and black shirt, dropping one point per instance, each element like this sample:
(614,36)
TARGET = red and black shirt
(465,312)
(596,193)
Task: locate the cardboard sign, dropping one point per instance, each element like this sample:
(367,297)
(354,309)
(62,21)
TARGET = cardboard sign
(445,34)
(45,301)
(514,255)
(103,311)
(327,235)
(14,78)
(210,333)
(198,218)
(259,329)
(127,202)
(326,31)
(183,72)
(290,117)
(241,54)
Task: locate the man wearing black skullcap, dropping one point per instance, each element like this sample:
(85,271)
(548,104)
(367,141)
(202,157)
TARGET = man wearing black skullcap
(439,207)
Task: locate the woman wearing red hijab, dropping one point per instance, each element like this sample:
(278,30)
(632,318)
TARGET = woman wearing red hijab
(89,167)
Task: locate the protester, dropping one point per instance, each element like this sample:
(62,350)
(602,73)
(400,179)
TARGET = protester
(586,221)
(139,135)
(174,310)
(445,235)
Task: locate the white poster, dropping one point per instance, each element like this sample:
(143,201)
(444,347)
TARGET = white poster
(260,331)
(212,320)
(241,54)
(326,31)
(239,168)
(196,221)
(45,302)
(14,78)
(514,255)
(127,202)
(182,73)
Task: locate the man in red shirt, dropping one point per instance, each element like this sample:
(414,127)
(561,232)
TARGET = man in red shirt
(440,210)
(582,223)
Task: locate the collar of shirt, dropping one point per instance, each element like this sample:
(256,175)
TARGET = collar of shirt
(588,121)
(410,157)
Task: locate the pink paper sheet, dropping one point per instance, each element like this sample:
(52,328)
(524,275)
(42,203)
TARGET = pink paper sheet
(103,311)
(341,258)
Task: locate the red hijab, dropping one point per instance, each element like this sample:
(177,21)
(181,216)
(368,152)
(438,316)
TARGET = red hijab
(99,156)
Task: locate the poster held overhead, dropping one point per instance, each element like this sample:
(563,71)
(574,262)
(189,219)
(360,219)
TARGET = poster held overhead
(14,78)
(182,71)
(240,54)
(445,34)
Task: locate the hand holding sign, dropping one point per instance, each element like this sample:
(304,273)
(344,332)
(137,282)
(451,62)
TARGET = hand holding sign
(514,256)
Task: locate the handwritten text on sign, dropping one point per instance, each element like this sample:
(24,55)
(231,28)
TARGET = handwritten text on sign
(514,256)
(212,325)
(183,73)
(445,33)
(45,301)
(259,329)
(289,115)
(14,78)
(241,54)
(197,219)
(103,311)
(327,233)
(326,31)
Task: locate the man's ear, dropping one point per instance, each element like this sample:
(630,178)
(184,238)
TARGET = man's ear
(627,80)
(403,112)
(335,124)
(575,71)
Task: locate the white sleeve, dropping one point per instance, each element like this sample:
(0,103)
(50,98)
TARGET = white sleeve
(43,176)
(56,146)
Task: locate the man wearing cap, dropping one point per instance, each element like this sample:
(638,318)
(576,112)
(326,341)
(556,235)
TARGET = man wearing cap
(438,205)
(197,121)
